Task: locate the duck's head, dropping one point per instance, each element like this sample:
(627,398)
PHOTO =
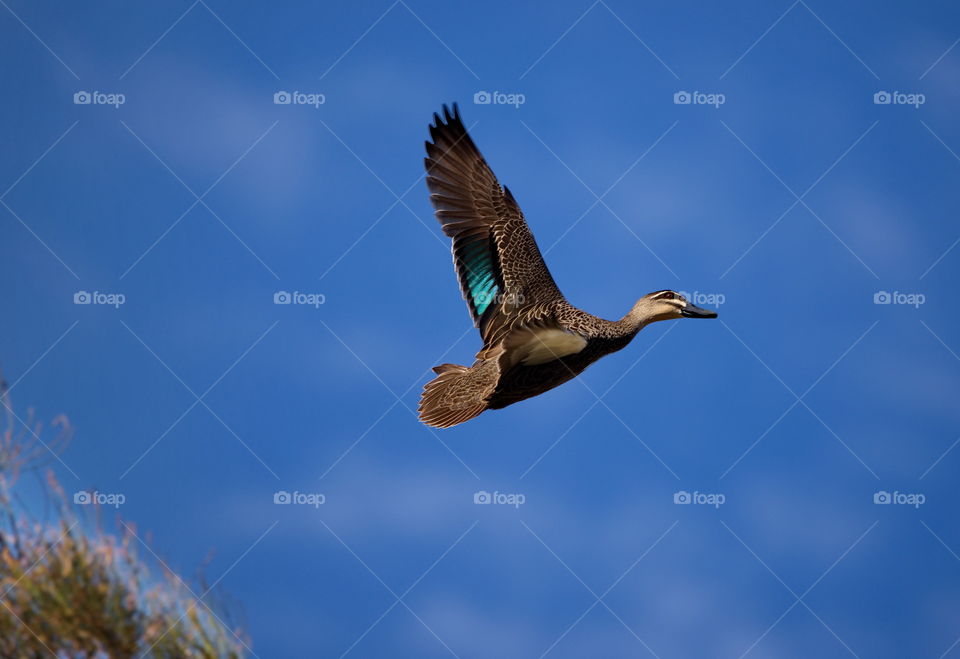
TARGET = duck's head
(666,305)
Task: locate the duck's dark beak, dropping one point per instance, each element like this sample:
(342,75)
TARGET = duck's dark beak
(693,311)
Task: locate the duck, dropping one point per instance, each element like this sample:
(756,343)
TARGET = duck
(533,339)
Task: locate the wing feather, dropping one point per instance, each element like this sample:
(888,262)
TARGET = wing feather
(502,274)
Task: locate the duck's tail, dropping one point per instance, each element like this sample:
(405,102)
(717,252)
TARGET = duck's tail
(458,393)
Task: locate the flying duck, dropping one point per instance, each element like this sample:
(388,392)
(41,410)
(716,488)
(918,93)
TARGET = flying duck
(533,339)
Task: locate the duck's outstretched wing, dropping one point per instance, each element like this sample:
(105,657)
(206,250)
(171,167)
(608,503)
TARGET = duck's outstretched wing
(502,274)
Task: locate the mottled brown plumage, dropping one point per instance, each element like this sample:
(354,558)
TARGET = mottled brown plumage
(533,339)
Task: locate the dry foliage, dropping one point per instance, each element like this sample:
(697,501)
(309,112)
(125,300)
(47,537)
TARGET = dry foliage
(70,589)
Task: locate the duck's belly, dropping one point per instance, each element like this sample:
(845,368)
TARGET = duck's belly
(525,381)
(536,346)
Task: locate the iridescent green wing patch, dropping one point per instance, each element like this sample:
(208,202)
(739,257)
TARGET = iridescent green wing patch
(478,263)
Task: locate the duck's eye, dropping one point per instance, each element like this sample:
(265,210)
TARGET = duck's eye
(668,295)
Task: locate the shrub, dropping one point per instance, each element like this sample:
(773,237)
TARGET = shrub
(68,588)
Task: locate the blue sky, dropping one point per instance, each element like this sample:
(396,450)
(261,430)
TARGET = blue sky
(795,200)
